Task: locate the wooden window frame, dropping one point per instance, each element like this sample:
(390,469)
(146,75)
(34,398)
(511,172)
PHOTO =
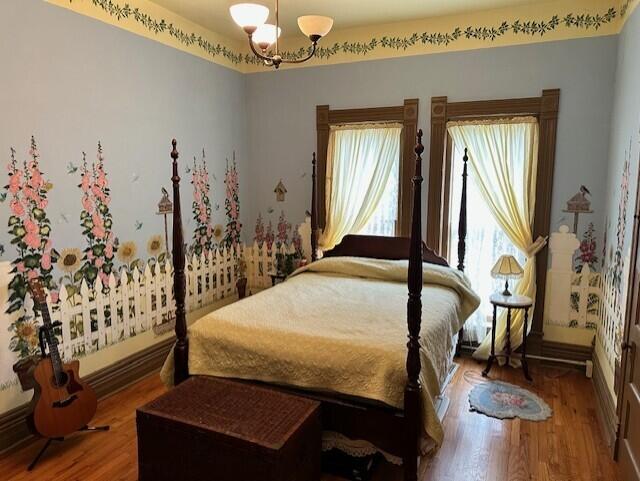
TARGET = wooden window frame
(407,115)
(545,109)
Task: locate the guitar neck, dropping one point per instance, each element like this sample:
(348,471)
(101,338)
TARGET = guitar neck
(52,341)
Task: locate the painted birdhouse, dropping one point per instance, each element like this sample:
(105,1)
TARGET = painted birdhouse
(165,206)
(280,191)
(579,203)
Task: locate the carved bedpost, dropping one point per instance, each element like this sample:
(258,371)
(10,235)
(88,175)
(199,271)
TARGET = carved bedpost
(462,222)
(412,391)
(181,348)
(462,234)
(314,212)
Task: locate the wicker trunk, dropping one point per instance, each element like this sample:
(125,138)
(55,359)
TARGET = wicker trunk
(211,429)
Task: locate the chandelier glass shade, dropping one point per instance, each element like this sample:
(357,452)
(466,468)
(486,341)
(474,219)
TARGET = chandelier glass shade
(251,17)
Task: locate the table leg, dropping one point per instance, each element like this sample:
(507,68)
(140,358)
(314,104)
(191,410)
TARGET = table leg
(508,343)
(492,357)
(525,367)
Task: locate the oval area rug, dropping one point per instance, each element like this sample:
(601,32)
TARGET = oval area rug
(506,401)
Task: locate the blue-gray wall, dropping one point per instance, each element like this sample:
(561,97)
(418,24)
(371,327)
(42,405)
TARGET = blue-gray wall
(281,108)
(624,149)
(70,81)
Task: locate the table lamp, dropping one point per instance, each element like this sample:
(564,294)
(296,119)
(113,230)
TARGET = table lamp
(507,268)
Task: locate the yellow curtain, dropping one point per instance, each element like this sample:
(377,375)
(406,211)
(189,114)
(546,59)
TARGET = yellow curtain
(503,160)
(360,159)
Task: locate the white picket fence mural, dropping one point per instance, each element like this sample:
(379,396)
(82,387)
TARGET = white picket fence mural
(573,299)
(211,277)
(611,320)
(586,299)
(261,261)
(136,301)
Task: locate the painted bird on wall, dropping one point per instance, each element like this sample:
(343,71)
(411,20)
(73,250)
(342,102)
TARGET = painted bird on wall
(72,168)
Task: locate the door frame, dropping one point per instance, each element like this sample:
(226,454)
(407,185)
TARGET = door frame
(632,309)
(545,109)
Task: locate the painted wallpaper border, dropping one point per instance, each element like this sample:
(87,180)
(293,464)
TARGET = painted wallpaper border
(493,29)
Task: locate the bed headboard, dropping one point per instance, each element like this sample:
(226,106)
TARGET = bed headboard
(379,247)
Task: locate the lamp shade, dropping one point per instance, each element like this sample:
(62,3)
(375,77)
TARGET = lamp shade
(315,26)
(507,267)
(249,15)
(265,35)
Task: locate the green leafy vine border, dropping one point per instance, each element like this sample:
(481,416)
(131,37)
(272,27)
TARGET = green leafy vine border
(518,27)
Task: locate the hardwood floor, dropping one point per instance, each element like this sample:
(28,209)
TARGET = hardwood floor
(567,447)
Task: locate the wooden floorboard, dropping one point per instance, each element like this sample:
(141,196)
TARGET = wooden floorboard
(567,447)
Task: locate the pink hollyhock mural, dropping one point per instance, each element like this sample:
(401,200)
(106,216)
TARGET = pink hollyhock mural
(587,254)
(232,205)
(282,237)
(259,230)
(30,229)
(203,240)
(269,237)
(296,240)
(96,222)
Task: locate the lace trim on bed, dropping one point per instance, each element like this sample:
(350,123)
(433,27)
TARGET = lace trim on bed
(357,448)
(360,448)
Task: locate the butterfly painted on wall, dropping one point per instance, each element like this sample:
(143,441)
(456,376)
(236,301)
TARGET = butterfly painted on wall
(72,168)
(135,178)
(3,196)
(1,250)
(217,207)
(138,225)
(63,219)
(269,210)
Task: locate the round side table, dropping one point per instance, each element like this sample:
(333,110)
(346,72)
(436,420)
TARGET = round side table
(509,303)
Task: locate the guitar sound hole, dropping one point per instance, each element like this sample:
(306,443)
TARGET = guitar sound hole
(63,380)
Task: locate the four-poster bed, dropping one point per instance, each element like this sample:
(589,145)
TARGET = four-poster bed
(395,427)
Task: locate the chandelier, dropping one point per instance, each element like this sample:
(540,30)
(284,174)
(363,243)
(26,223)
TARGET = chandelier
(252,17)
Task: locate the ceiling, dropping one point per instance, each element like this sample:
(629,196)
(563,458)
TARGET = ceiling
(214,14)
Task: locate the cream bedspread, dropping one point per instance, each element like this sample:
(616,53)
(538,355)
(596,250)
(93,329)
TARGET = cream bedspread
(337,325)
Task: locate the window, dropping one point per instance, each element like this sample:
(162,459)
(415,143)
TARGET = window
(363,181)
(439,211)
(486,242)
(384,220)
(392,216)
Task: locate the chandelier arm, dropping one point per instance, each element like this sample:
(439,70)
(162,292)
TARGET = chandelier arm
(300,60)
(258,54)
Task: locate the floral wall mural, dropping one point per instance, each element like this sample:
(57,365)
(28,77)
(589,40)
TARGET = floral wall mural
(96,221)
(232,204)
(105,262)
(30,229)
(203,231)
(91,221)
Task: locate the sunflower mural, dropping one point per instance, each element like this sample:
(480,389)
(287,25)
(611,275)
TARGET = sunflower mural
(69,264)
(30,229)
(96,221)
(155,248)
(126,254)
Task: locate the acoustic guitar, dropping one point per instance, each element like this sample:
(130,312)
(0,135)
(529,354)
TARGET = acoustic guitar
(62,402)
